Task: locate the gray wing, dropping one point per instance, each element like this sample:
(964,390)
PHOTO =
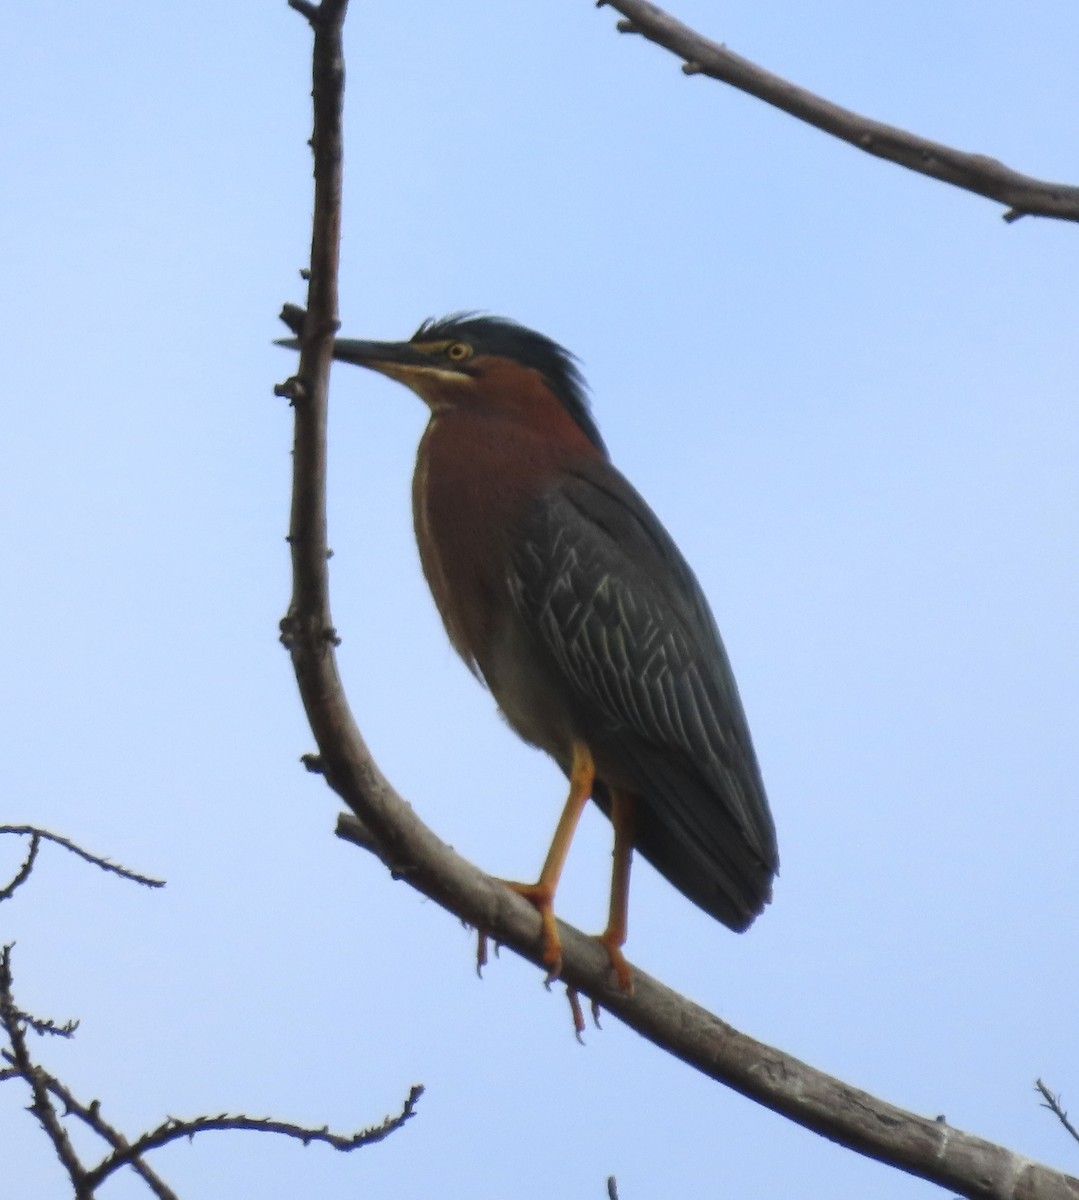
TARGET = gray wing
(603,586)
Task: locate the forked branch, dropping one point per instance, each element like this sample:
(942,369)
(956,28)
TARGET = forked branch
(55,1106)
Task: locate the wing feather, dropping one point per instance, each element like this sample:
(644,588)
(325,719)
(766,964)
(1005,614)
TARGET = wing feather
(620,613)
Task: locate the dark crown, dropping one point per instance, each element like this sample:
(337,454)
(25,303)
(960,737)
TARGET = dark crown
(504,338)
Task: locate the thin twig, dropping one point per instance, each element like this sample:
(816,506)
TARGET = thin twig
(53,1099)
(1053,1103)
(36,835)
(44,1027)
(173,1129)
(19,1057)
(90,1115)
(23,873)
(1023,194)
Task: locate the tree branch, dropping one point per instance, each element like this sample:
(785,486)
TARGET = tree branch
(172,1130)
(14,1024)
(53,1100)
(25,868)
(37,836)
(1024,195)
(1054,1105)
(389,827)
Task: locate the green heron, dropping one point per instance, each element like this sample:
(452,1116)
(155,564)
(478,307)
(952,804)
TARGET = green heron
(565,595)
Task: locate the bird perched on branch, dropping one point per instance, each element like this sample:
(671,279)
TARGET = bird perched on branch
(565,595)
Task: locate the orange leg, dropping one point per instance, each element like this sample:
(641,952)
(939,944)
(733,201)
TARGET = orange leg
(613,937)
(541,893)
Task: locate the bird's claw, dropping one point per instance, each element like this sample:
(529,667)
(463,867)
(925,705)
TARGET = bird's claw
(623,972)
(541,897)
(574,998)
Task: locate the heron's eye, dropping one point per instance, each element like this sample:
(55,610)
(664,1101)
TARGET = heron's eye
(458,352)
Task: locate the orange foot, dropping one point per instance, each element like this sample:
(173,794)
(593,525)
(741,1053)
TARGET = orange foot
(623,972)
(541,897)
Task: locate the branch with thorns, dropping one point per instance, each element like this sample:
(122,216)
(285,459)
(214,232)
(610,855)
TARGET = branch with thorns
(38,835)
(52,1101)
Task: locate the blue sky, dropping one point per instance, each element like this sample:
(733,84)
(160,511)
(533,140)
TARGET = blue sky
(849,392)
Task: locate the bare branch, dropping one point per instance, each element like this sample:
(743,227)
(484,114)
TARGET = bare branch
(45,1027)
(390,828)
(173,1129)
(54,1100)
(351,829)
(1053,1103)
(924,1147)
(42,1107)
(310,11)
(37,835)
(45,1086)
(23,873)
(90,1115)
(1024,195)
(13,1015)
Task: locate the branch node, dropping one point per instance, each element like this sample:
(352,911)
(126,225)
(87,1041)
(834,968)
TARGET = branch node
(351,829)
(305,9)
(627,27)
(291,390)
(692,68)
(293,316)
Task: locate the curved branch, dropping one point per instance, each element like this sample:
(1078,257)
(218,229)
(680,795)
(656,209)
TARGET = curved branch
(385,824)
(53,1101)
(1024,195)
(25,869)
(125,1153)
